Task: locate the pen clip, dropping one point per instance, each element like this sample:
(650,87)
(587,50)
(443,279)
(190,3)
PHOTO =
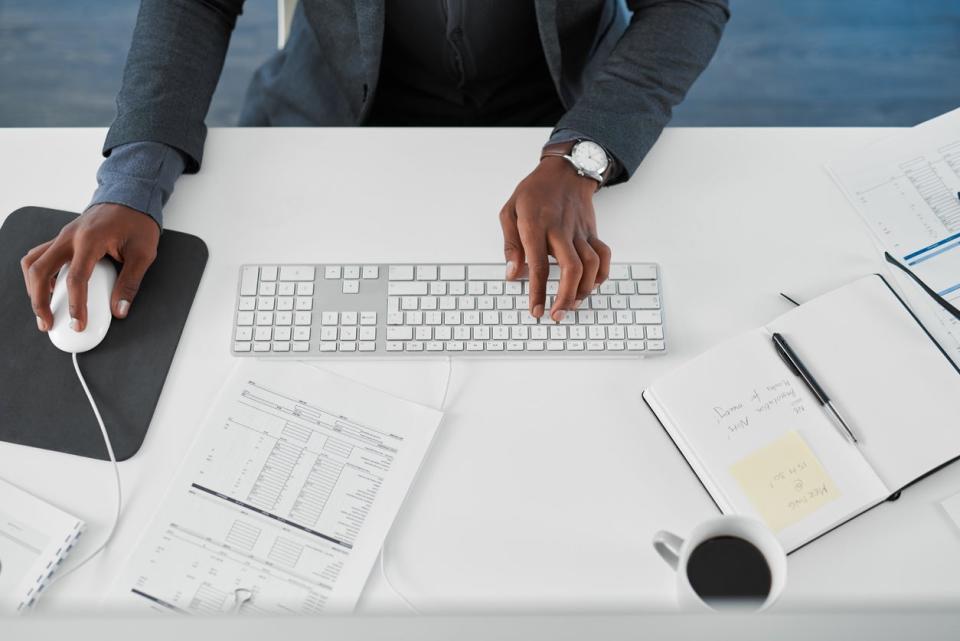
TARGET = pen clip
(778,347)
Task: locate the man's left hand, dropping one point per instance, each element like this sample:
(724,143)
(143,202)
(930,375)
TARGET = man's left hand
(551,213)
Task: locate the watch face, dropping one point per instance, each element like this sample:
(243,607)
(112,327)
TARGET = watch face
(590,156)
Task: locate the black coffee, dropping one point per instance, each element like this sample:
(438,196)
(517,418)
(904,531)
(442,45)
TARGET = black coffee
(728,571)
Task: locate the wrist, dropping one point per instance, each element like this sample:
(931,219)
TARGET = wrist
(585,157)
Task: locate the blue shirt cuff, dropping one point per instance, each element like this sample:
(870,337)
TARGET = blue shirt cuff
(139,175)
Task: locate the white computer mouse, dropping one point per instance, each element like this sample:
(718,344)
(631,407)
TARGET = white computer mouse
(99,290)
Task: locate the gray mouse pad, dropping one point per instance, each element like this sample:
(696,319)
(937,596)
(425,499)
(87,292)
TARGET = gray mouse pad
(41,401)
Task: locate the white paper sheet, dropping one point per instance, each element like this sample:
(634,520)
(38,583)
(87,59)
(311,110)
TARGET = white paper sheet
(286,497)
(34,537)
(906,189)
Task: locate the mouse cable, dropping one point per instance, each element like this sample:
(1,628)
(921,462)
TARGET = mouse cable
(383,551)
(116,473)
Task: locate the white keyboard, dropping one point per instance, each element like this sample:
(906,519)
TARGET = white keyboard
(341,311)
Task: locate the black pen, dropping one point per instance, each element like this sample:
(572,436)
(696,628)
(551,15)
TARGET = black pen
(798,368)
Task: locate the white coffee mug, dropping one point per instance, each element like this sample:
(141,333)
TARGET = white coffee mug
(676,552)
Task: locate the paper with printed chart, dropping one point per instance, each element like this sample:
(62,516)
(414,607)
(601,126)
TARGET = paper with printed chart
(907,189)
(284,500)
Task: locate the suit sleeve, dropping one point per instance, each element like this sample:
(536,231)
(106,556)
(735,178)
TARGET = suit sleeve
(172,69)
(664,49)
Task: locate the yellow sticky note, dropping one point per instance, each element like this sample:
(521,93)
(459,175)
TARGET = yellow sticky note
(785,481)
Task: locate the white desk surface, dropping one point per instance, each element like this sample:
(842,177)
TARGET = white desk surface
(546,481)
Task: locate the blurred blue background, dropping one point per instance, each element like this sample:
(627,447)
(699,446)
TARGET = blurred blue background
(781,63)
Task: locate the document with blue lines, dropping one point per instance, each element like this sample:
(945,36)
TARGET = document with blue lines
(284,500)
(907,189)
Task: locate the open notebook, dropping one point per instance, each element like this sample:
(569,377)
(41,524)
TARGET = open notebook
(35,538)
(763,446)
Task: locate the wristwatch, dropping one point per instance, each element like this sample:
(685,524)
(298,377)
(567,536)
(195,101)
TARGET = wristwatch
(588,158)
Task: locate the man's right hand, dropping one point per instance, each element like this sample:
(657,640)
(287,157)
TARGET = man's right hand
(125,234)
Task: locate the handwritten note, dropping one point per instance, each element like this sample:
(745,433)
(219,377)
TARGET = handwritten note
(785,481)
(737,416)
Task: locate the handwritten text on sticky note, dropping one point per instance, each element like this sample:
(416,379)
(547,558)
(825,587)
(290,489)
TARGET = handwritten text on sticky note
(785,481)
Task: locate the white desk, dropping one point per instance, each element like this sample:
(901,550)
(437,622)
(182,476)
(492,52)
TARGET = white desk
(545,482)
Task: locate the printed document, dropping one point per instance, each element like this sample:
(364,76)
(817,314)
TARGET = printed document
(285,499)
(907,189)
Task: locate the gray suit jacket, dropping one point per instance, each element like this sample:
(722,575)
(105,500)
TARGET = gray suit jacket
(618,77)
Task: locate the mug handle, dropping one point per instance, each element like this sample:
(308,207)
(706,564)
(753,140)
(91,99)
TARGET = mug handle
(667,545)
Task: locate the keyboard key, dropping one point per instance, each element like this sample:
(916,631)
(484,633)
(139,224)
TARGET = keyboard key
(241,347)
(248,280)
(619,272)
(369,272)
(268,272)
(455,346)
(414,318)
(266,303)
(474,346)
(495,346)
(457,288)
(595,346)
(623,317)
(348,333)
(644,302)
(281,334)
(643,272)
(407,288)
(635,346)
(368,318)
(428,303)
(575,346)
(367,346)
(261,347)
(329,318)
(394,346)
(452,272)
(423,333)
(403,333)
(616,346)
(301,333)
(348,318)
(245,318)
(351,286)
(305,289)
(247,303)
(535,346)
(302,318)
(414,346)
(513,288)
(655,346)
(438,288)
(297,272)
(285,303)
(635,332)
(328,333)
(301,347)
(332,272)
(243,334)
(263,333)
(434,346)
(351,272)
(486,272)
(348,346)
(328,346)
(616,332)
(304,303)
(400,272)
(409,302)
(515,346)
(426,272)
(647,287)
(281,347)
(475,288)
(597,332)
(555,346)
(395,318)
(368,333)
(655,332)
(264,318)
(578,332)
(283,318)
(648,317)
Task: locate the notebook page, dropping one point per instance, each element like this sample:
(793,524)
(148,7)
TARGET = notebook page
(737,399)
(34,535)
(883,373)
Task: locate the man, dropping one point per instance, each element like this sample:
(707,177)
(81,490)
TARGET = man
(607,81)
